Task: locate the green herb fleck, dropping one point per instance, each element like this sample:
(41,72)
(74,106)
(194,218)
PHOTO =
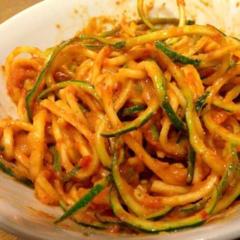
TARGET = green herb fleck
(71,174)
(201,101)
(56,159)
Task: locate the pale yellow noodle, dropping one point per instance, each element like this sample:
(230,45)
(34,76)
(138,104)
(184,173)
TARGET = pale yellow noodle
(38,144)
(8,142)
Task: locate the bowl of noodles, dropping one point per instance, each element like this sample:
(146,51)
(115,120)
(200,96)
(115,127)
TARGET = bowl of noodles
(120,119)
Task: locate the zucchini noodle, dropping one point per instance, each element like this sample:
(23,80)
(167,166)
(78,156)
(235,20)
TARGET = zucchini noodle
(128,124)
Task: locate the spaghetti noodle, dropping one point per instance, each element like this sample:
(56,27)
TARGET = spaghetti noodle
(130,124)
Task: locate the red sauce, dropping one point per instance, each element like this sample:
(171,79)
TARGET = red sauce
(58,26)
(61,76)
(204,215)
(85,161)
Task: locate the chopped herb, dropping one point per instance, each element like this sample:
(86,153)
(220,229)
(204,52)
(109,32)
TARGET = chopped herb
(6,170)
(71,174)
(176,121)
(87,198)
(176,56)
(32,94)
(201,101)
(56,159)
(26,182)
(191,164)
(190,22)
(119,45)
(129,111)
(93,47)
(194,207)
(110,32)
(154,132)
(10,172)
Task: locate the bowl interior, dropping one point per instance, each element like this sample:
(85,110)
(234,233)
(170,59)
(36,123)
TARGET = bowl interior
(46,24)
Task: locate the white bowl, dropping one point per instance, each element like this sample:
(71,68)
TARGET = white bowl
(20,212)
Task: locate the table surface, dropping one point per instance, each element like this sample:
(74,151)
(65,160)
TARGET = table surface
(9,8)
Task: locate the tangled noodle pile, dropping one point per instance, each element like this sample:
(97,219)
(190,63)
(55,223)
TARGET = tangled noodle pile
(128,125)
